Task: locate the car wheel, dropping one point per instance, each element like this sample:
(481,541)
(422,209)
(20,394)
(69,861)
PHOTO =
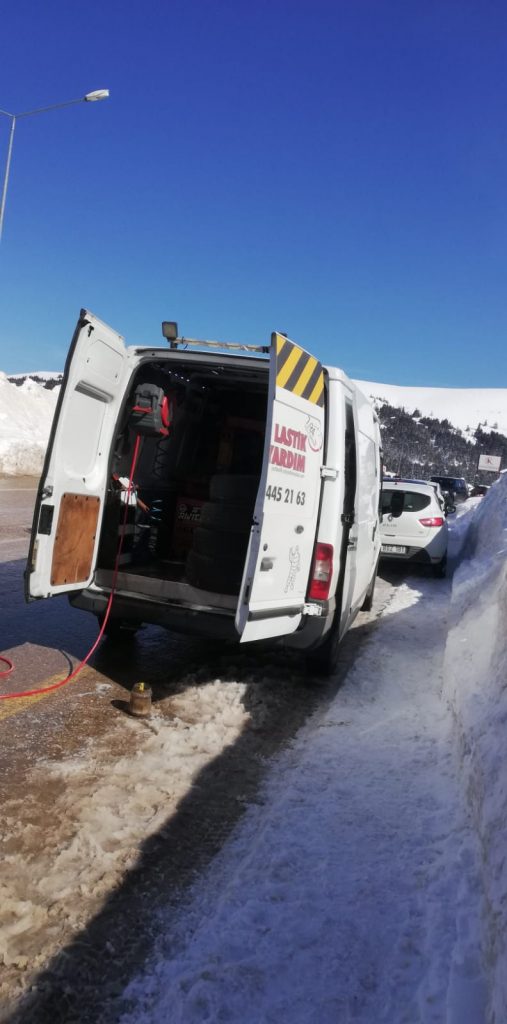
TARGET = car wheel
(440,569)
(367,604)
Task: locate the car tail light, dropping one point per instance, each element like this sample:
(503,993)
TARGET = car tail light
(322,571)
(432,521)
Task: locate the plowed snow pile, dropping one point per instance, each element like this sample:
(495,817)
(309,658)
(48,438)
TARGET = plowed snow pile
(26,414)
(476,685)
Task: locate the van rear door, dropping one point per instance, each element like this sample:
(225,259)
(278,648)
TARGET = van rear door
(275,581)
(65,531)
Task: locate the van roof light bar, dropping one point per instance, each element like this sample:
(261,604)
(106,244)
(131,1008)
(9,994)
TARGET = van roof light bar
(170,332)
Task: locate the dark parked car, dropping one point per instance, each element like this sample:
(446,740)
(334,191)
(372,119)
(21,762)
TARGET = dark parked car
(455,486)
(479,490)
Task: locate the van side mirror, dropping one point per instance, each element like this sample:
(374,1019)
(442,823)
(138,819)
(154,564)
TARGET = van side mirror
(449,508)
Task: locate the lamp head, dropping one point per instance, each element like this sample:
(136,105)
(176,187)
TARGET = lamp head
(97,94)
(170,330)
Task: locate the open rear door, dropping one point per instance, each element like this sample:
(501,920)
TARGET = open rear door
(68,510)
(279,559)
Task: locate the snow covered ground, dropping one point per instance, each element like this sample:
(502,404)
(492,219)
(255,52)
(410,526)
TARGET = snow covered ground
(370,885)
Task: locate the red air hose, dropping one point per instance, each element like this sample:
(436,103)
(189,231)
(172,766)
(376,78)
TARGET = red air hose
(63,682)
(7,671)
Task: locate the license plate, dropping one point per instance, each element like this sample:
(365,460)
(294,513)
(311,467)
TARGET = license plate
(393,549)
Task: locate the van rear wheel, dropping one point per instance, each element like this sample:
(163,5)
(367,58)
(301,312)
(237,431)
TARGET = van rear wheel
(118,629)
(324,659)
(367,604)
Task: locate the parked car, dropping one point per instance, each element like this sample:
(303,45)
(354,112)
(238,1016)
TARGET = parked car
(413,524)
(479,490)
(443,496)
(455,486)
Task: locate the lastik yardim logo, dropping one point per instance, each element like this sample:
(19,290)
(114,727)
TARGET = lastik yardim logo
(288,448)
(313,432)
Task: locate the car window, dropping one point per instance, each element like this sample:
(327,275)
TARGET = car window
(451,483)
(413,501)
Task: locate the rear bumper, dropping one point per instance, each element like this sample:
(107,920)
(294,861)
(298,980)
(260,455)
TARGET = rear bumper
(181,619)
(313,628)
(423,556)
(198,622)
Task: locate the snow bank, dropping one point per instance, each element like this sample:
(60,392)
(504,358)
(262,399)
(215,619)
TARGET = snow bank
(26,414)
(475,674)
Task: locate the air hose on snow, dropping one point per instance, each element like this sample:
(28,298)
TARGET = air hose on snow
(63,682)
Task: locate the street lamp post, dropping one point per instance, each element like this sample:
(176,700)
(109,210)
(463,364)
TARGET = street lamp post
(91,97)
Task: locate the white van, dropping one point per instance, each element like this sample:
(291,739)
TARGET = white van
(253,511)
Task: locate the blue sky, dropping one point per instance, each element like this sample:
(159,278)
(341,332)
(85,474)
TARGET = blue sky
(335,170)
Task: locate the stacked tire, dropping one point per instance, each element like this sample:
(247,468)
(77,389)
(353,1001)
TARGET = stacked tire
(217,558)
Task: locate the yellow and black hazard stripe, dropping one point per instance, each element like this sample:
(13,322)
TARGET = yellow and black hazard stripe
(298,371)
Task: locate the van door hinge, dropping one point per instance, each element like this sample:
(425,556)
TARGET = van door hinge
(348,518)
(328,473)
(312,609)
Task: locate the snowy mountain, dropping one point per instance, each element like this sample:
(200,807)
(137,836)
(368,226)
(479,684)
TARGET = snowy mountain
(465,408)
(440,431)
(45,375)
(425,430)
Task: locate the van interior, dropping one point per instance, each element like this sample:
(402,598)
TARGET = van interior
(202,433)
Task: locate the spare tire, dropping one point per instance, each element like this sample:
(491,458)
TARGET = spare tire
(221,575)
(217,544)
(228,518)
(227,487)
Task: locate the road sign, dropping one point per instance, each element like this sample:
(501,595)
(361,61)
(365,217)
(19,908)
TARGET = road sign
(490,463)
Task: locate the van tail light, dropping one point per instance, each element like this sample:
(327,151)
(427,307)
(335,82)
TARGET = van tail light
(432,521)
(322,571)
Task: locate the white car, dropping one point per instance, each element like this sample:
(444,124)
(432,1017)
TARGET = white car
(413,524)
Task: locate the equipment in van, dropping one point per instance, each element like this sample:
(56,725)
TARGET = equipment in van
(151,411)
(257,490)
